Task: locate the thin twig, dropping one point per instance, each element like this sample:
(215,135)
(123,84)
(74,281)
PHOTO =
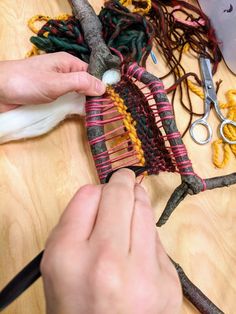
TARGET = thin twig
(195,295)
(219,182)
(177,196)
(183,190)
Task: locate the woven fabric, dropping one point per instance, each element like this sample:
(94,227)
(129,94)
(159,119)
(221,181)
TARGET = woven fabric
(131,119)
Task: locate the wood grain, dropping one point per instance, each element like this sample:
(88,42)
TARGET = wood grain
(38,177)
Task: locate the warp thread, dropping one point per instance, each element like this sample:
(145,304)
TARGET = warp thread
(133,118)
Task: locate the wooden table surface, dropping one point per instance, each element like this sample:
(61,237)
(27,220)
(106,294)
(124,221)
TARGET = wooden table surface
(39,176)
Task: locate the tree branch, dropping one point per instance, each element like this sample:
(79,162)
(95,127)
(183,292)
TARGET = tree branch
(219,182)
(183,190)
(101,59)
(194,294)
(177,196)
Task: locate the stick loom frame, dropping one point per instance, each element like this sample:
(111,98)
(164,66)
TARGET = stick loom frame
(102,59)
(189,185)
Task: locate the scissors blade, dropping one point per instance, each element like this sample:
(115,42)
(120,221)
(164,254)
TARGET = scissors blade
(210,92)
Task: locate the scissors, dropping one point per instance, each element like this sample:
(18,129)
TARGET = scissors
(210,98)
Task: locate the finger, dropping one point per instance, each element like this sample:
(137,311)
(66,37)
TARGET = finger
(79,217)
(143,234)
(81,82)
(62,62)
(65,62)
(115,211)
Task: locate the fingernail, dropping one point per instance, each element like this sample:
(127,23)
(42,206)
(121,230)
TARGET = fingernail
(100,87)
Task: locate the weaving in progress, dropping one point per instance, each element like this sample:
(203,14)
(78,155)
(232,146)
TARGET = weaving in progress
(133,124)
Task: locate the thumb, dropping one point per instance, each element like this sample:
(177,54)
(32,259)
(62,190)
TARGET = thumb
(4,108)
(81,82)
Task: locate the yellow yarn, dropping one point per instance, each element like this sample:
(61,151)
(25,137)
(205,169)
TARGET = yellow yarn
(129,124)
(34,51)
(196,89)
(186,48)
(34,19)
(229,131)
(216,153)
(45,18)
(134,8)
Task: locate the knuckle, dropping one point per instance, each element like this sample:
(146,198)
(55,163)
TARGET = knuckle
(84,80)
(140,189)
(141,193)
(107,273)
(45,266)
(113,186)
(63,54)
(56,253)
(140,203)
(88,189)
(48,264)
(146,299)
(57,257)
(50,93)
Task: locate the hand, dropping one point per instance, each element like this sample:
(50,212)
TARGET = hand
(44,78)
(105,255)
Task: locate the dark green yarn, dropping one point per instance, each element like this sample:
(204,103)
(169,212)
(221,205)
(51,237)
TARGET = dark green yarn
(129,33)
(62,36)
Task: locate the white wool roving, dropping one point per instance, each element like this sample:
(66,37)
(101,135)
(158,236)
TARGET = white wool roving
(35,120)
(111,76)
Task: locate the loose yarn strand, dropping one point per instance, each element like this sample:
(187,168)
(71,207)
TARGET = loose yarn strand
(139,6)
